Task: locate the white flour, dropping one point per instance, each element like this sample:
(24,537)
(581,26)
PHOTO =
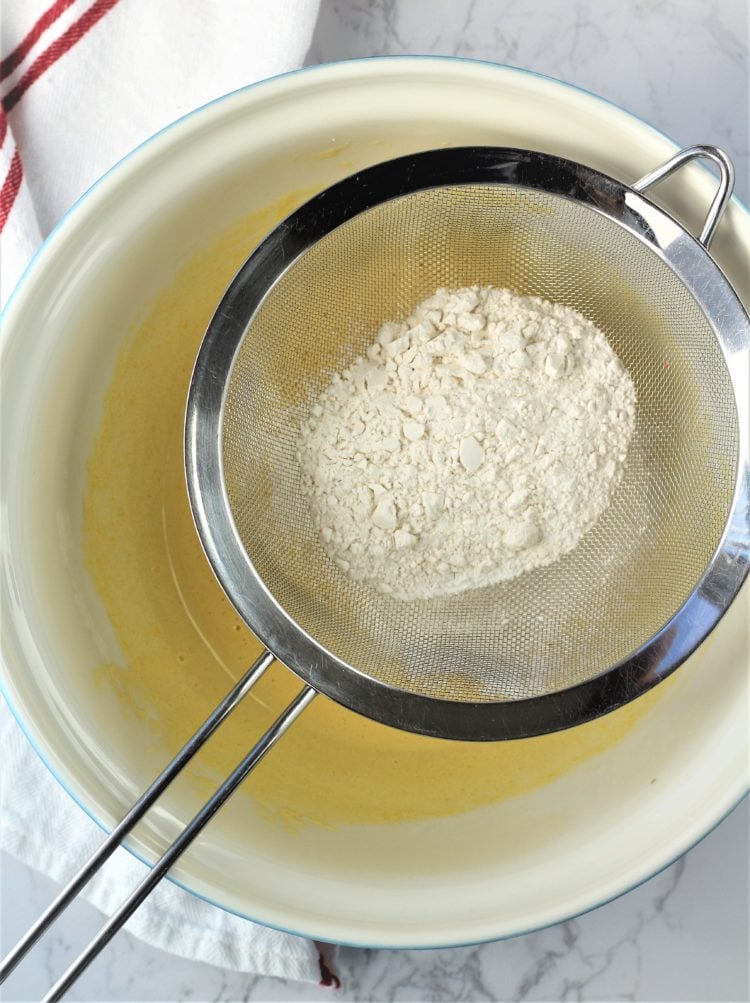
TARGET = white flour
(479,439)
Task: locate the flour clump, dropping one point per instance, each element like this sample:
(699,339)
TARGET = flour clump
(476,440)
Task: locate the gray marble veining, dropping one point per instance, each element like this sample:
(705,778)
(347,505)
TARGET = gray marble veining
(679,64)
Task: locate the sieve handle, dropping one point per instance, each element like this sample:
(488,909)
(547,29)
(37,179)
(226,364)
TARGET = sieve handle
(139,809)
(723,192)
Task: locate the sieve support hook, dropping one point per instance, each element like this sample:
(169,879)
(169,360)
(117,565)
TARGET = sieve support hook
(723,192)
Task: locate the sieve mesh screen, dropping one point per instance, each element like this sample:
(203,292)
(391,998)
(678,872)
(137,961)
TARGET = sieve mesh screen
(556,626)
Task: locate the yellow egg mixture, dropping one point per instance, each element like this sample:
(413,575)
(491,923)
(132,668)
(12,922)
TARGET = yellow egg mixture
(185,645)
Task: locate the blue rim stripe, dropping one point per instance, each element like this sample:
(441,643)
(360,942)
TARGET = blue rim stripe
(21,281)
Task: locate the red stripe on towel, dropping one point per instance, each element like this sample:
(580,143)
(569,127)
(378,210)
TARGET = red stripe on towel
(27,44)
(8,192)
(57,49)
(328,979)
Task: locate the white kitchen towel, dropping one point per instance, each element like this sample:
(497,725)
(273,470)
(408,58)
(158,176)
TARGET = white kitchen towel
(82,83)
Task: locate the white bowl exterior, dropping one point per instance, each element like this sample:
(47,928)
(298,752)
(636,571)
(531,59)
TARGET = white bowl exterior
(514,866)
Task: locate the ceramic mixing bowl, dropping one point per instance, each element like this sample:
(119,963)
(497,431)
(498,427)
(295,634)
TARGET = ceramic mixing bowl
(520,864)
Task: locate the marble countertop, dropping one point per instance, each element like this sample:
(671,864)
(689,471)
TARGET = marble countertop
(684,935)
(679,64)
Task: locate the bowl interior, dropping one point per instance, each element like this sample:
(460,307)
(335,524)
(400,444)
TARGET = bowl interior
(519,864)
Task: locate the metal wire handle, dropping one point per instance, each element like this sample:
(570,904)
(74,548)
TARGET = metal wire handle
(136,813)
(723,192)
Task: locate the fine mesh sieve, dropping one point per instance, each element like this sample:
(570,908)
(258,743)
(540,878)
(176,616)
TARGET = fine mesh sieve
(562,643)
(547,650)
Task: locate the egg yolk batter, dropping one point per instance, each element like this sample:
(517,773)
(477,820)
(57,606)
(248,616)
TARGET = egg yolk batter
(184,644)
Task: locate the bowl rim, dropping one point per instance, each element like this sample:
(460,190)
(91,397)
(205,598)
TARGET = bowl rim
(98,190)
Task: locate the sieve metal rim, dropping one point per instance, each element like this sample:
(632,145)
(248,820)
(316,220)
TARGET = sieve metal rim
(320,668)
